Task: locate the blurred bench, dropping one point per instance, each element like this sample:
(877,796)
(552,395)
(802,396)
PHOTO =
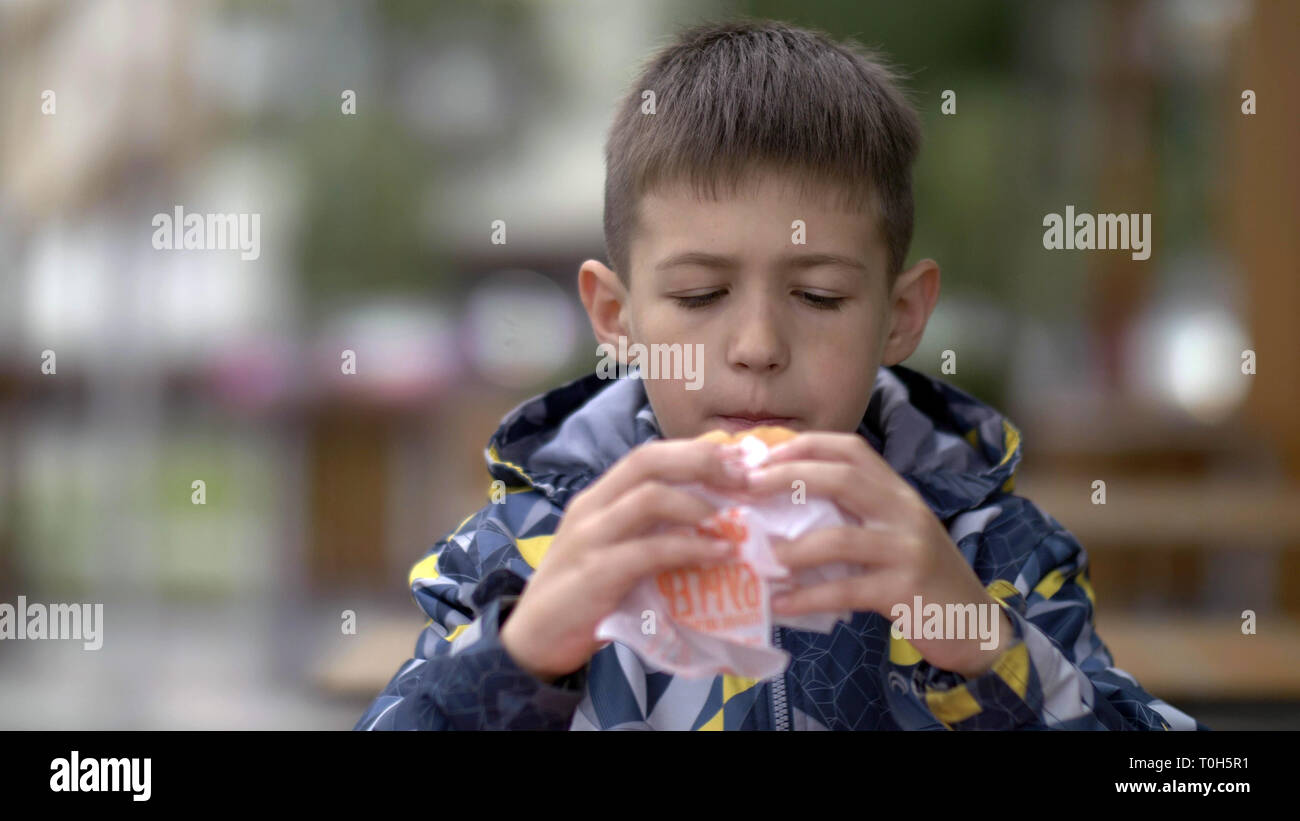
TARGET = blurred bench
(1213,513)
(1206,658)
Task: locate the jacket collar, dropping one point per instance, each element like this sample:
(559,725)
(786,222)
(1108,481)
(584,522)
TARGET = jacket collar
(953,449)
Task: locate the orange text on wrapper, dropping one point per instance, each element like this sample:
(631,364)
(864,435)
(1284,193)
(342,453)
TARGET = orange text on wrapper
(712,598)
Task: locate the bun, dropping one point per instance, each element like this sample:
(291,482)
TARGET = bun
(769,435)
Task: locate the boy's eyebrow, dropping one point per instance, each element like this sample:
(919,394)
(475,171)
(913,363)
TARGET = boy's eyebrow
(800,261)
(701,258)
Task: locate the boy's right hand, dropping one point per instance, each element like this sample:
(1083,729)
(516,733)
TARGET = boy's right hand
(609,540)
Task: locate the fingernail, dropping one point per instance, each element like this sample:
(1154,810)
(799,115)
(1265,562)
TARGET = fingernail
(722,548)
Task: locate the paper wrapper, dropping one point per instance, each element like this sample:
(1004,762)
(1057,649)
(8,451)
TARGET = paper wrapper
(703,621)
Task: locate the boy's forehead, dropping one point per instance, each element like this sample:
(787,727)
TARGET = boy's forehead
(764,215)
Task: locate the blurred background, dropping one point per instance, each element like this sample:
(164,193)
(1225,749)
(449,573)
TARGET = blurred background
(322,489)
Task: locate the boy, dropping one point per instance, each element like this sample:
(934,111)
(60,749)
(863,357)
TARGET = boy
(760,208)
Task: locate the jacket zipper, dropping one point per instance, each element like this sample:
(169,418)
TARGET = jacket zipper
(780,711)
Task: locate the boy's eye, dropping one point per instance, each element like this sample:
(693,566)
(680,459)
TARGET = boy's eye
(698,300)
(829,303)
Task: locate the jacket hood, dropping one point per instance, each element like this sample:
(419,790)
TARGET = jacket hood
(953,449)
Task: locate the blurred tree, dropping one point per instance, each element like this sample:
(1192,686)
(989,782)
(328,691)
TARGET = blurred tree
(362,230)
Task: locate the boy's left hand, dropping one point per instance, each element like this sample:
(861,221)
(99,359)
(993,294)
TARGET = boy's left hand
(901,545)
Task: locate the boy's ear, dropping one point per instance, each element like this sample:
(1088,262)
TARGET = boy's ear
(911,302)
(605,299)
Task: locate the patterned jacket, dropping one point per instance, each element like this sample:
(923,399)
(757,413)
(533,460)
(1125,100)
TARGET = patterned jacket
(958,453)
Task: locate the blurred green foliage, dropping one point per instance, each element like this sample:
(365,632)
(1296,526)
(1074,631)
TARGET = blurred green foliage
(362,227)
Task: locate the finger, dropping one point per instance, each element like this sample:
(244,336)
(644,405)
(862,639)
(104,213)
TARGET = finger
(677,461)
(842,483)
(851,593)
(651,504)
(823,446)
(625,564)
(833,544)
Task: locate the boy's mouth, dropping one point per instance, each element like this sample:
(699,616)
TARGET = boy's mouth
(732,424)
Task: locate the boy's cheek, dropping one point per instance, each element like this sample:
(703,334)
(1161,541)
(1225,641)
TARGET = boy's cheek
(674,423)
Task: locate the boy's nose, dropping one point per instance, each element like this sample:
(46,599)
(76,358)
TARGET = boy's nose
(758,344)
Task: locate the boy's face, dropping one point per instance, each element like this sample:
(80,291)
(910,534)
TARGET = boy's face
(790,334)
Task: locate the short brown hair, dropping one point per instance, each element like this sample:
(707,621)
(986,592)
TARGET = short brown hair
(735,97)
